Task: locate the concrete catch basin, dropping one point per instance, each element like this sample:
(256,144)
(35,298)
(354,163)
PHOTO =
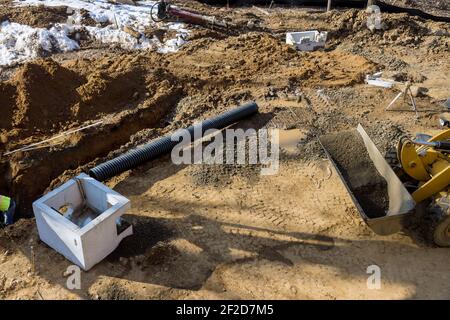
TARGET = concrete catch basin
(82,220)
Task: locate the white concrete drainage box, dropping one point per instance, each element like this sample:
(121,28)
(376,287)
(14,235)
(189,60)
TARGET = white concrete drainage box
(307,40)
(82,220)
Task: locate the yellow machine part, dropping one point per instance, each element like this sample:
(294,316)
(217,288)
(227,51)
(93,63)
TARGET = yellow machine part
(426,165)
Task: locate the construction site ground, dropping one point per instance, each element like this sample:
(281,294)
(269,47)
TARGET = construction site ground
(213,231)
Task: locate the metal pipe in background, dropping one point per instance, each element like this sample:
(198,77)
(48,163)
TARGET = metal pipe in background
(439,145)
(165,144)
(195,18)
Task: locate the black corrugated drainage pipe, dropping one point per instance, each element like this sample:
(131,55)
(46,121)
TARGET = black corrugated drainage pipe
(165,144)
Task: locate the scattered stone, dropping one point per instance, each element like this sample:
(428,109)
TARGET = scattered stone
(124,261)
(132,32)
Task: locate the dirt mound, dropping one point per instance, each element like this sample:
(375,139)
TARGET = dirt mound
(398,29)
(110,89)
(353,24)
(53,96)
(7,94)
(46,92)
(262,58)
(40,17)
(56,97)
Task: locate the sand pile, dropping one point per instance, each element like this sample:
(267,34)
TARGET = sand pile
(34,16)
(264,59)
(45,96)
(109,90)
(46,92)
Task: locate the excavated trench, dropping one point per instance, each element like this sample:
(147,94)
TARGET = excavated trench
(132,92)
(30,177)
(52,98)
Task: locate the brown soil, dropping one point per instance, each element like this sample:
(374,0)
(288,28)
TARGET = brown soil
(46,91)
(253,55)
(34,16)
(52,95)
(7,95)
(206,232)
(437,7)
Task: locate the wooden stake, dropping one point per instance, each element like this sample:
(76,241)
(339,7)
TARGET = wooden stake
(329,5)
(271,4)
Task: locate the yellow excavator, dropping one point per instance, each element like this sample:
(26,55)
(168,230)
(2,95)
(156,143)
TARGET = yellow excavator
(417,172)
(426,160)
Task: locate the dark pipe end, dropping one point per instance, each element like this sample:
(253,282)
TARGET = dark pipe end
(93,174)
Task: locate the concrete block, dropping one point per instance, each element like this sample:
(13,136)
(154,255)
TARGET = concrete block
(82,220)
(307,40)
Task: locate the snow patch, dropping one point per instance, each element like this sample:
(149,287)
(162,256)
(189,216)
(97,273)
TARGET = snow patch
(103,11)
(19,43)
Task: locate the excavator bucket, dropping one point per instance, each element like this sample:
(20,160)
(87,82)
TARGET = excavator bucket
(380,197)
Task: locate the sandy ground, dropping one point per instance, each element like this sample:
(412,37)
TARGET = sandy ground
(226,232)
